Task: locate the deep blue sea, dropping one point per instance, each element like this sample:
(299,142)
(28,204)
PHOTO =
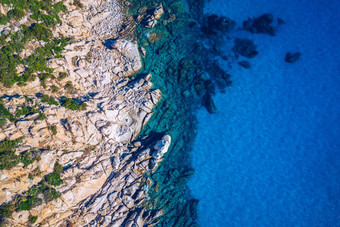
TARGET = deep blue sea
(271,155)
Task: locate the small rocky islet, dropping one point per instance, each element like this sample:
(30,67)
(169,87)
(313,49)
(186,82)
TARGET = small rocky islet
(97,130)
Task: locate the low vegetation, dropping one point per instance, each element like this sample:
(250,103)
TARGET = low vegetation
(32,197)
(70,104)
(5,114)
(8,158)
(35,64)
(49,100)
(36,195)
(32,219)
(54,178)
(53,129)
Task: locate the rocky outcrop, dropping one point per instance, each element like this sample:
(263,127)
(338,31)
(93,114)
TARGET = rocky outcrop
(149,19)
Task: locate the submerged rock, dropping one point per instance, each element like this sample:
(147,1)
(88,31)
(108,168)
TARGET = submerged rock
(245,48)
(292,57)
(245,64)
(150,19)
(209,104)
(262,24)
(215,24)
(219,76)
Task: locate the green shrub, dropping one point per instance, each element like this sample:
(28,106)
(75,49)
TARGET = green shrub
(32,219)
(60,7)
(53,128)
(54,89)
(31,198)
(6,210)
(8,158)
(53,179)
(41,33)
(50,194)
(29,157)
(49,100)
(42,116)
(5,114)
(69,85)
(27,203)
(78,4)
(58,168)
(43,78)
(62,75)
(16,13)
(3,19)
(36,172)
(25,110)
(83,106)
(31,176)
(70,104)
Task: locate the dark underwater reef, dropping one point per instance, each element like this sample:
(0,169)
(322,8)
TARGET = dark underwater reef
(182,53)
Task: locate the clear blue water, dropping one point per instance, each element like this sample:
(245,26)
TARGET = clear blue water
(271,155)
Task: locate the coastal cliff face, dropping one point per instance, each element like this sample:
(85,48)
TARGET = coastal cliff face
(90,132)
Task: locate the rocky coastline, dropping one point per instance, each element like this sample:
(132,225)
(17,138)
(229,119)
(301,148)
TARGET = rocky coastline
(102,180)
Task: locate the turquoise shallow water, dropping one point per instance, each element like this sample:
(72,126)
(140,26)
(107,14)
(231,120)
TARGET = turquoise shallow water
(270,156)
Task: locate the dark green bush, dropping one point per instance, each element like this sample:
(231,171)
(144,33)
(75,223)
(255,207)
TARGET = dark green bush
(50,194)
(3,19)
(53,179)
(6,210)
(62,75)
(43,78)
(60,7)
(42,116)
(32,219)
(69,85)
(83,106)
(28,202)
(54,89)
(30,176)
(29,157)
(70,104)
(30,198)
(8,158)
(5,114)
(25,110)
(16,13)
(58,168)
(41,33)
(53,128)
(49,100)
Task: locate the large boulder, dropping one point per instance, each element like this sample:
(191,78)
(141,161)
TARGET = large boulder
(214,24)
(245,48)
(292,57)
(262,24)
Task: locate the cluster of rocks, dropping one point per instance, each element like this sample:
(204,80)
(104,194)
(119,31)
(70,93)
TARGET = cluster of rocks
(261,24)
(149,19)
